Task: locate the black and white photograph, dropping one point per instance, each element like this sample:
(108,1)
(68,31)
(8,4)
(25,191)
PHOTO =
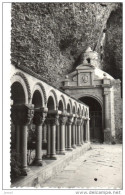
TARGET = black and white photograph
(65,97)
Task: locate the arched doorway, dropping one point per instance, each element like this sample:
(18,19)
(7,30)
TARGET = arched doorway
(95,113)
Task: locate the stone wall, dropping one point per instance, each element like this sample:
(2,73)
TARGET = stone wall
(118,107)
(50,38)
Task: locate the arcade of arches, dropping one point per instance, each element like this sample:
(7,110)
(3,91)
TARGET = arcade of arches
(61,122)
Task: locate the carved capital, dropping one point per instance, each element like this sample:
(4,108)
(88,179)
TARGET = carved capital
(63,119)
(79,121)
(22,114)
(39,117)
(82,121)
(70,120)
(75,121)
(53,119)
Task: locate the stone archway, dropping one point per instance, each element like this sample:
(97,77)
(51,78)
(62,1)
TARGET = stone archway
(96,119)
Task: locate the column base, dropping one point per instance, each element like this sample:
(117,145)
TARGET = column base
(58,152)
(79,145)
(53,157)
(74,146)
(62,153)
(69,149)
(24,171)
(39,163)
(47,156)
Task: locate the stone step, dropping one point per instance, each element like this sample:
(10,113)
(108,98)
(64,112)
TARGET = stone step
(38,175)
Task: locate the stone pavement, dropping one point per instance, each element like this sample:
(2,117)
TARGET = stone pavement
(100,167)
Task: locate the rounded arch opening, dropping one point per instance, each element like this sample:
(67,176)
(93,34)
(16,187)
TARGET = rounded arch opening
(61,107)
(68,108)
(74,110)
(50,104)
(37,99)
(17,93)
(78,112)
(96,119)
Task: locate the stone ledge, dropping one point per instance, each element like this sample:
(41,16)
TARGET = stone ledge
(38,175)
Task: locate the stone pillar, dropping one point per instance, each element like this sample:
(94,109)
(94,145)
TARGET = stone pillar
(107,130)
(78,131)
(22,116)
(74,132)
(69,123)
(17,131)
(52,120)
(44,133)
(39,118)
(58,139)
(62,120)
(76,139)
(87,130)
(82,121)
(66,136)
(48,140)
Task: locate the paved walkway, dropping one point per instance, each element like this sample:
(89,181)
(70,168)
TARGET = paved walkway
(100,167)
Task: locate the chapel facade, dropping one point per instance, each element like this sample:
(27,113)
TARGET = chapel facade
(89,84)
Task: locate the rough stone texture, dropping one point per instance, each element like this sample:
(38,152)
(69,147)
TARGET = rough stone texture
(113,44)
(50,38)
(118,108)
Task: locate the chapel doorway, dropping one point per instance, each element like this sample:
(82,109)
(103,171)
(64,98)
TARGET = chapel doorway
(95,113)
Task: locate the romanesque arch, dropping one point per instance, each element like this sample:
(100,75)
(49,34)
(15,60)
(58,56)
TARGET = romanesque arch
(39,89)
(52,101)
(96,117)
(21,79)
(62,103)
(92,96)
(69,106)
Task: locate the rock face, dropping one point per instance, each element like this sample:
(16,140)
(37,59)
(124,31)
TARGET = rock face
(113,44)
(51,38)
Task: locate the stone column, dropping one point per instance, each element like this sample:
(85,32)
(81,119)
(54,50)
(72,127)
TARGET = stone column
(48,139)
(53,122)
(78,131)
(39,118)
(58,139)
(62,120)
(82,121)
(107,131)
(87,130)
(44,133)
(66,136)
(74,132)
(22,115)
(69,123)
(17,131)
